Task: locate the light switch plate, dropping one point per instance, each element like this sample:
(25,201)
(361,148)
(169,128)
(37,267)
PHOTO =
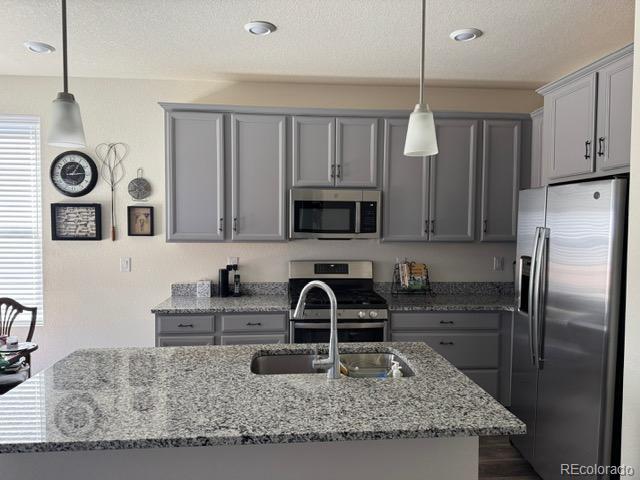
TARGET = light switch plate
(125,264)
(498,264)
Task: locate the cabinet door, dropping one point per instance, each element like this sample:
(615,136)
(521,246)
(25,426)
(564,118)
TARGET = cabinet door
(500,179)
(258,177)
(569,118)
(195,176)
(613,146)
(356,152)
(453,182)
(405,187)
(536,148)
(313,151)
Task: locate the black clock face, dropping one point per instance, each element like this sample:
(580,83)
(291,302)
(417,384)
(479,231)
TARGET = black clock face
(74,173)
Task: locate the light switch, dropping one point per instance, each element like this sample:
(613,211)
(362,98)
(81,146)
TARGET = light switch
(498,264)
(125,264)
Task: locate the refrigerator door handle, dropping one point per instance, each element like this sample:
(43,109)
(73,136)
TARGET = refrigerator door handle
(540,297)
(532,310)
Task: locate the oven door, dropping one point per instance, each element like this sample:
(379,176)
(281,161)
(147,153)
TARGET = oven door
(316,332)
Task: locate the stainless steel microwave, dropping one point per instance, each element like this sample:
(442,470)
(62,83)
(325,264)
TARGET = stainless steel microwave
(333,213)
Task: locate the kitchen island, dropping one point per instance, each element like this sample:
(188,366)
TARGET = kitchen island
(193,411)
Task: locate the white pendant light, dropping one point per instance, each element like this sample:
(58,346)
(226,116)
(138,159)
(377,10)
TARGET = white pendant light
(421,133)
(66,123)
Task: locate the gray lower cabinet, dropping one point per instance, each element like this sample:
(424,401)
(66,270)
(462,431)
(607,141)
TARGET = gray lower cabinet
(194,176)
(501,152)
(356,152)
(405,186)
(221,328)
(477,343)
(613,144)
(258,171)
(452,177)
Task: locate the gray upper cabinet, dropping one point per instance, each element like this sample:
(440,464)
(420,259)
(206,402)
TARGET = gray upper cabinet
(356,152)
(536,148)
(405,188)
(313,151)
(453,181)
(194,176)
(569,123)
(501,151)
(258,177)
(615,83)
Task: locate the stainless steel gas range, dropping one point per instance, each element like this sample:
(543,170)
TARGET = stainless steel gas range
(362,313)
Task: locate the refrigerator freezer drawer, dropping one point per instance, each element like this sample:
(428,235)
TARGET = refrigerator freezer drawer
(463,350)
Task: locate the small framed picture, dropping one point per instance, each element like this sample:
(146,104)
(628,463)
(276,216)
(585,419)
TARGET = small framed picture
(76,221)
(140,221)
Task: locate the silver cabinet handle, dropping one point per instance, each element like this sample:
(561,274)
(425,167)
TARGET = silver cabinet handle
(433,226)
(220,227)
(339,167)
(235,224)
(446,322)
(485,224)
(426,226)
(601,146)
(185,325)
(446,343)
(254,324)
(333,171)
(587,149)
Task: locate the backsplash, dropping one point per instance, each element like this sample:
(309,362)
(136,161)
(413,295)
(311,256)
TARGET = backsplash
(189,289)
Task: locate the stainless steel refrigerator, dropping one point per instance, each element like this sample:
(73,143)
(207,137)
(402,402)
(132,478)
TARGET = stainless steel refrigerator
(569,289)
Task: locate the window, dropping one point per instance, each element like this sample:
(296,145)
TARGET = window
(21,213)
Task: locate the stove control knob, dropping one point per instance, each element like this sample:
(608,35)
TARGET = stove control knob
(361,314)
(373,314)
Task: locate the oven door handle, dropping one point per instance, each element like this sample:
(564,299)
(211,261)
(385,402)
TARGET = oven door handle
(341,326)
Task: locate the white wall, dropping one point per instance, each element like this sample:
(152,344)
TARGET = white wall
(88,302)
(631,396)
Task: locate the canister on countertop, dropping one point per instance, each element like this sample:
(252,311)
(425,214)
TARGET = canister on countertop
(204,288)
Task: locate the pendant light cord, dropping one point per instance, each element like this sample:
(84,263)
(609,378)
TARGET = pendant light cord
(64,47)
(424,8)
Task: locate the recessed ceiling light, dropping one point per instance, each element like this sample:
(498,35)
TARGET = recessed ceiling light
(465,34)
(39,47)
(259,27)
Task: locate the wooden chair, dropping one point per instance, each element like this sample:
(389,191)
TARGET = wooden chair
(9,311)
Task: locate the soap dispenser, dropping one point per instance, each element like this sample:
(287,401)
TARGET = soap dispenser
(396,369)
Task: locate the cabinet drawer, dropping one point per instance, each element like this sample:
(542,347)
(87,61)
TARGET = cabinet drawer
(184,340)
(445,321)
(252,339)
(486,379)
(255,322)
(185,324)
(464,350)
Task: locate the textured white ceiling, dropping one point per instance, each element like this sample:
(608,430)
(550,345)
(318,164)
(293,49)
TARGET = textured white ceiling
(526,42)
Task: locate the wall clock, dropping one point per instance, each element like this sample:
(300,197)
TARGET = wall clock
(73,173)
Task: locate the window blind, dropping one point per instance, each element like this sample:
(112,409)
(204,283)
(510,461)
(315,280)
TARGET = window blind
(21,213)
(25,405)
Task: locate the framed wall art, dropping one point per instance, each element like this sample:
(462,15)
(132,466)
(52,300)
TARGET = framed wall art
(140,221)
(76,221)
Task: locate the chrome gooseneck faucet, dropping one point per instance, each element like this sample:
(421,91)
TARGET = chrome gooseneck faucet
(332,362)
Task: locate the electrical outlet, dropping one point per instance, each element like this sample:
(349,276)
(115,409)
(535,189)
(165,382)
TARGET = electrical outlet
(498,264)
(125,264)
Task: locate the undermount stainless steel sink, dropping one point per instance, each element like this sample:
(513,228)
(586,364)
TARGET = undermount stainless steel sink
(359,365)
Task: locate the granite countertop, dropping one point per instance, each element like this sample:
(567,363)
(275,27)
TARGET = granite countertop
(280,303)
(97,399)
(443,303)
(245,303)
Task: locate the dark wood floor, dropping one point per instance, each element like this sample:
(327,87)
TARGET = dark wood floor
(500,461)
